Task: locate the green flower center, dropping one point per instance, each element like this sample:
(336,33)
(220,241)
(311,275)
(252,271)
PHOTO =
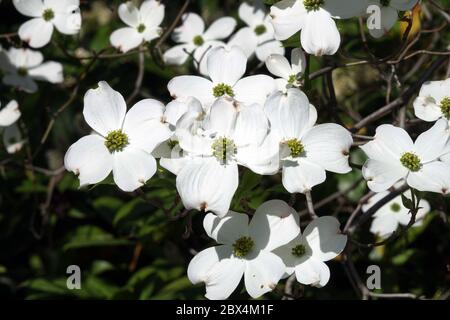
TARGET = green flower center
(292,79)
(296,147)
(116,141)
(198,40)
(411,161)
(298,250)
(243,246)
(395,207)
(313,5)
(445,107)
(385,3)
(48,14)
(261,29)
(141,28)
(172,143)
(223,89)
(223,149)
(22,72)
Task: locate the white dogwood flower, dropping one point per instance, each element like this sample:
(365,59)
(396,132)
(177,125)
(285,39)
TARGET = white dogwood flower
(232,134)
(433,101)
(319,34)
(321,241)
(306,150)
(394,213)
(244,250)
(389,10)
(122,141)
(289,73)
(143,24)
(64,15)
(12,139)
(394,156)
(194,40)
(258,36)
(23,66)
(9,114)
(226,66)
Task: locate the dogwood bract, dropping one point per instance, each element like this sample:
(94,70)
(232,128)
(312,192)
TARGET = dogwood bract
(306,150)
(194,40)
(23,66)
(394,156)
(64,15)
(289,73)
(9,114)
(143,24)
(387,219)
(258,36)
(122,141)
(231,134)
(226,66)
(12,138)
(319,34)
(389,10)
(433,101)
(244,250)
(305,255)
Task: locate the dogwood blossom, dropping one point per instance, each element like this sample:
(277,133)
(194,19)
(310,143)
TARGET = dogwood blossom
(195,41)
(389,10)
(305,254)
(319,34)
(122,141)
(244,250)
(394,156)
(306,150)
(143,24)
(226,66)
(23,66)
(12,139)
(289,73)
(258,36)
(433,101)
(232,134)
(394,213)
(9,114)
(64,15)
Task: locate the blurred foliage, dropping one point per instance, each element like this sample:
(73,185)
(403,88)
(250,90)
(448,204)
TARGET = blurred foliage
(128,248)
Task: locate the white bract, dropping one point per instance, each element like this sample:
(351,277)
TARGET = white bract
(394,213)
(289,73)
(394,156)
(194,40)
(12,138)
(122,141)
(23,66)
(258,36)
(306,150)
(64,15)
(389,10)
(305,255)
(244,250)
(9,114)
(433,101)
(232,134)
(226,66)
(319,33)
(143,24)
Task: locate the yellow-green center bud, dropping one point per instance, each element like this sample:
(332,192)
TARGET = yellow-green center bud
(223,149)
(292,79)
(141,28)
(116,141)
(48,14)
(411,161)
(23,72)
(298,250)
(313,5)
(261,29)
(445,107)
(243,246)
(395,207)
(296,147)
(223,89)
(172,143)
(198,40)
